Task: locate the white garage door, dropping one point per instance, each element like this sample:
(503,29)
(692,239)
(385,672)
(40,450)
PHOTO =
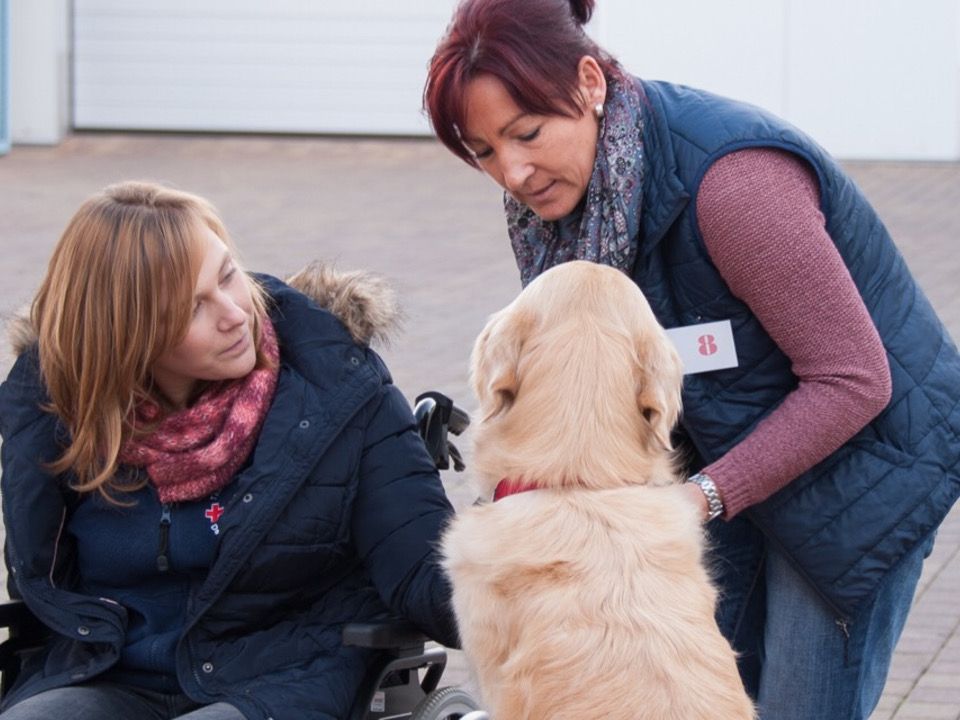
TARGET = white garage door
(311,66)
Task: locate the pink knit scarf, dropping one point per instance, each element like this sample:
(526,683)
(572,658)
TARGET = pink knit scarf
(195,451)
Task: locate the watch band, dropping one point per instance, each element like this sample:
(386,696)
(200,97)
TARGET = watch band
(709,488)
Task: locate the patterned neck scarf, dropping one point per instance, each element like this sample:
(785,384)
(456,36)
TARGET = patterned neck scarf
(192,452)
(610,218)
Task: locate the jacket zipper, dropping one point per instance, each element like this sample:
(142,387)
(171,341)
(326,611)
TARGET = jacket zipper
(845,629)
(56,548)
(163,560)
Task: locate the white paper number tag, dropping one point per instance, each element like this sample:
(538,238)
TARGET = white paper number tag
(705,347)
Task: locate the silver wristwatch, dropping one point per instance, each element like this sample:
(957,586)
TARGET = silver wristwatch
(709,488)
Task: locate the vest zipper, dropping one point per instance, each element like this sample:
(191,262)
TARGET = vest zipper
(163,561)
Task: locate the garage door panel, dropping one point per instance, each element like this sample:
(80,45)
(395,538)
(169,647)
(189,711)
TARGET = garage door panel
(239,66)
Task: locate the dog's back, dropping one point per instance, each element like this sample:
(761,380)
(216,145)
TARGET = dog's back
(592,603)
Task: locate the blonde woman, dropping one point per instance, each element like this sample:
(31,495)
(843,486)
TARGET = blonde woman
(205,475)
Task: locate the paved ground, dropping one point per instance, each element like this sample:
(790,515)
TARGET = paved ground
(406,209)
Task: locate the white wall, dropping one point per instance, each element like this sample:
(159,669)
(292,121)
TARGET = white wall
(875,79)
(4,77)
(39,70)
(879,78)
(249,65)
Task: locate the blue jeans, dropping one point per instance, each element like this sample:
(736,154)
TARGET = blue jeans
(795,659)
(109,701)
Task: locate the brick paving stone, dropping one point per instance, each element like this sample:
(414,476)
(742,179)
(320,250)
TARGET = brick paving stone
(927,711)
(925,692)
(886,708)
(407,209)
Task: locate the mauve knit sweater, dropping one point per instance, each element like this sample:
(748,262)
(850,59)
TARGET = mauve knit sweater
(759,214)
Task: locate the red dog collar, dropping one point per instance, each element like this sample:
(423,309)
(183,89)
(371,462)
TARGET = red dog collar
(508,487)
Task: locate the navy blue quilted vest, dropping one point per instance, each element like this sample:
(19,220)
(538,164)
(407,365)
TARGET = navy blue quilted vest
(856,514)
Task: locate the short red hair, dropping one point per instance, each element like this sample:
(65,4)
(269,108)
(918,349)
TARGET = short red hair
(533,47)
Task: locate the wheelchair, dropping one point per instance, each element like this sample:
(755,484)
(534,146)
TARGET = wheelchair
(405,684)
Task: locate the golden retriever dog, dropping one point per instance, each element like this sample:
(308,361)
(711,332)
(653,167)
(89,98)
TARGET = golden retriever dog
(583,594)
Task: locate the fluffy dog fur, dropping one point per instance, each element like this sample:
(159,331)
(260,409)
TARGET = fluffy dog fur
(588,597)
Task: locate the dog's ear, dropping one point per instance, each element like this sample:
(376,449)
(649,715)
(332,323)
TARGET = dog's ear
(659,382)
(496,358)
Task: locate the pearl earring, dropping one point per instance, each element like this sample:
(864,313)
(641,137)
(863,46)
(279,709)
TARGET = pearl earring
(598,110)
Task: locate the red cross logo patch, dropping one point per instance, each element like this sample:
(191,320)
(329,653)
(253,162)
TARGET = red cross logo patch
(213,514)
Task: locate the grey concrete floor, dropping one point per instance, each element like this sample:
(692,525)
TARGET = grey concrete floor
(408,210)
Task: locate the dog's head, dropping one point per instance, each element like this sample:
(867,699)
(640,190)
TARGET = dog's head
(577,384)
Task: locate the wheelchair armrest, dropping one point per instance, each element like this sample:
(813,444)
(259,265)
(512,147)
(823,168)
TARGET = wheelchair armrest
(13,614)
(383,635)
(24,633)
(20,622)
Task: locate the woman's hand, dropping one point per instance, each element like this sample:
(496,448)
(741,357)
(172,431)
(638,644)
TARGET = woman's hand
(696,496)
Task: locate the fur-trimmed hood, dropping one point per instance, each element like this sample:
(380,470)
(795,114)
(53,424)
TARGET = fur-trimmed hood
(364,302)
(21,333)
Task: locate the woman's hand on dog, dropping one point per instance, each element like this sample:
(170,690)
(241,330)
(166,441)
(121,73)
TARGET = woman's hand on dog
(693,491)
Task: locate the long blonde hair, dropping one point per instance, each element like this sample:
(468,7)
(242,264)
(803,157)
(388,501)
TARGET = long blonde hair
(117,294)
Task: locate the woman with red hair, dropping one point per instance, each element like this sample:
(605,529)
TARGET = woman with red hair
(825,450)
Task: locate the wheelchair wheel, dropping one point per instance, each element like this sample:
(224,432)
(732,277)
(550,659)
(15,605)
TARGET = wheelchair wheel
(449,703)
